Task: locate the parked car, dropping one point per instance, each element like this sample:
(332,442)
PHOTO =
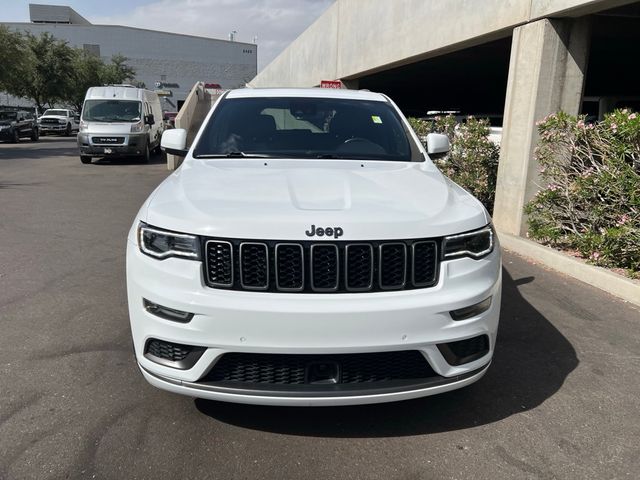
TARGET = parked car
(120,121)
(59,120)
(170,119)
(15,125)
(309,252)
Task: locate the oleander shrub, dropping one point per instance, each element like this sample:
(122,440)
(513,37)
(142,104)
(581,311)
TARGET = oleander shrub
(473,160)
(589,200)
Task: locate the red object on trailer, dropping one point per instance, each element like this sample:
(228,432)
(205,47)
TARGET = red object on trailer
(330,84)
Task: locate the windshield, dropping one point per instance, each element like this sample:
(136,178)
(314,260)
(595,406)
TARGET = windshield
(8,115)
(60,113)
(111,111)
(306,128)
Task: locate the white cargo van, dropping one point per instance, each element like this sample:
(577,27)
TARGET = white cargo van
(120,120)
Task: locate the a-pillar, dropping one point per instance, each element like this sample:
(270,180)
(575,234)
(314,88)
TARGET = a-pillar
(546,74)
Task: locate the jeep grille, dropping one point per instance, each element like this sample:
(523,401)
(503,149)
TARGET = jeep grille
(320,267)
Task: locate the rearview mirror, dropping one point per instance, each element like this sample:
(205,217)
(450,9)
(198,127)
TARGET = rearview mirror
(437,145)
(174,142)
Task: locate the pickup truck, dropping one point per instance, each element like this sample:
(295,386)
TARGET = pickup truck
(17,124)
(309,252)
(59,120)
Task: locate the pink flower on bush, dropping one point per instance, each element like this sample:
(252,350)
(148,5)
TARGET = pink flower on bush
(614,127)
(595,256)
(632,116)
(580,124)
(622,220)
(553,187)
(587,173)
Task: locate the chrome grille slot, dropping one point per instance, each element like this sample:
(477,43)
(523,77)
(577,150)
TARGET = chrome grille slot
(254,266)
(393,265)
(324,267)
(289,267)
(424,264)
(219,271)
(359,267)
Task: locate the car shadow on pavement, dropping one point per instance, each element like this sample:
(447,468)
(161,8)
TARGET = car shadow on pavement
(41,150)
(154,159)
(531,362)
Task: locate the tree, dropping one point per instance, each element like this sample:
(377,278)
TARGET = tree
(48,71)
(13,58)
(87,71)
(47,78)
(118,71)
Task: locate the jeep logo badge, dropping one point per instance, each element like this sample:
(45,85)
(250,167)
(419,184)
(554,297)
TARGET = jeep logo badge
(335,232)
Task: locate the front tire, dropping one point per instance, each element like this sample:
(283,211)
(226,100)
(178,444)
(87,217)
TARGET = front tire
(85,159)
(35,135)
(16,137)
(67,131)
(146,155)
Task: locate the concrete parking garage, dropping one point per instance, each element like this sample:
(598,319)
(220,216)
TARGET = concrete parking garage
(559,401)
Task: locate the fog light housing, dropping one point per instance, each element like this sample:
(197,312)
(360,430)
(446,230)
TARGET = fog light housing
(471,311)
(465,351)
(166,312)
(174,355)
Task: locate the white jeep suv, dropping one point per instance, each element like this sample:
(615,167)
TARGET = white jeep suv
(308,252)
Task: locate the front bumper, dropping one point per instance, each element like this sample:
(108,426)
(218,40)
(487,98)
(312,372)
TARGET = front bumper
(51,128)
(6,134)
(321,324)
(131,145)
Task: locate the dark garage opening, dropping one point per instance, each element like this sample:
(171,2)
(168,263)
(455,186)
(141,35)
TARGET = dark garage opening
(472,81)
(613,72)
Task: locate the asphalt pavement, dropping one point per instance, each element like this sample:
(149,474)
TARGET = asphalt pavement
(561,399)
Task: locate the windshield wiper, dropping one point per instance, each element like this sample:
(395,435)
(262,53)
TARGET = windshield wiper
(233,155)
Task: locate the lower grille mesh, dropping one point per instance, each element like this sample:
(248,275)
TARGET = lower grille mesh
(279,369)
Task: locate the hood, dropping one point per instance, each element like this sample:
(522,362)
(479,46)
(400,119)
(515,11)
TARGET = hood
(105,128)
(57,117)
(281,199)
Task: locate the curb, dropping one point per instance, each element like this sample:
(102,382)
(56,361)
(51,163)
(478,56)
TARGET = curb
(617,285)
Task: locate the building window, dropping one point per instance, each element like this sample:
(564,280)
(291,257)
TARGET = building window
(163,78)
(92,49)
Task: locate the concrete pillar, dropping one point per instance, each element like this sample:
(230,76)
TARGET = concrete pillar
(546,74)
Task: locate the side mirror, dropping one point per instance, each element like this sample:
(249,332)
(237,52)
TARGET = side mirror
(174,142)
(149,119)
(437,145)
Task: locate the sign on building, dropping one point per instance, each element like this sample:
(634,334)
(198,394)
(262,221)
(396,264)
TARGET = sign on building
(330,84)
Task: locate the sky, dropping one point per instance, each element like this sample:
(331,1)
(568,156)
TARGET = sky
(275,23)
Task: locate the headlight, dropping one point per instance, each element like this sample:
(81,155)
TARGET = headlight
(476,244)
(163,244)
(137,127)
(83,126)
(62,122)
